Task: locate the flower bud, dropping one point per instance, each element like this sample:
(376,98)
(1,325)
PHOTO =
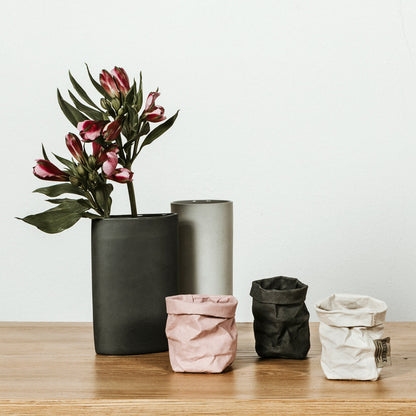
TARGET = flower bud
(104,103)
(74,146)
(80,170)
(121,79)
(46,170)
(115,103)
(109,84)
(74,181)
(92,162)
(93,176)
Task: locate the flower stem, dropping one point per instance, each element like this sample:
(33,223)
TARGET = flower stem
(132,198)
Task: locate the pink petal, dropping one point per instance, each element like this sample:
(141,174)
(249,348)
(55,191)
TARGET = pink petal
(112,130)
(150,102)
(156,115)
(47,170)
(109,84)
(74,145)
(121,175)
(90,129)
(109,166)
(96,149)
(122,80)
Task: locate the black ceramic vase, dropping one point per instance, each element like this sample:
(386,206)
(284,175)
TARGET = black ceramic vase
(134,267)
(281,319)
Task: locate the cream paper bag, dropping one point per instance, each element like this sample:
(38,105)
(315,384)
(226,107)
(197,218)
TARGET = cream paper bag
(351,333)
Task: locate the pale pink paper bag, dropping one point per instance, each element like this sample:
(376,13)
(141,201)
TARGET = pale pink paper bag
(201,332)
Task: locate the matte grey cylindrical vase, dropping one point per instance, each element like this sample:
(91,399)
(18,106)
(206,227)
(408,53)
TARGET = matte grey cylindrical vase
(134,267)
(205,246)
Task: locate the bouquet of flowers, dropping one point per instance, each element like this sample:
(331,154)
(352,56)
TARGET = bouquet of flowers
(112,136)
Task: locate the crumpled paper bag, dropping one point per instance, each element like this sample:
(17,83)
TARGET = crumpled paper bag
(281,318)
(201,332)
(351,333)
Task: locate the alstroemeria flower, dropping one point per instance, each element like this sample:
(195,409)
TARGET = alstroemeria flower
(150,102)
(153,113)
(48,171)
(121,79)
(74,146)
(110,164)
(90,130)
(97,149)
(112,130)
(158,114)
(100,153)
(109,84)
(121,175)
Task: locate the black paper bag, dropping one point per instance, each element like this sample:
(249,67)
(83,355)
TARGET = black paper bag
(281,318)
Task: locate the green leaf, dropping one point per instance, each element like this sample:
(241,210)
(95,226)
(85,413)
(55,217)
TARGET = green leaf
(125,130)
(90,112)
(140,94)
(102,196)
(133,119)
(130,95)
(71,113)
(81,201)
(98,86)
(65,162)
(158,131)
(45,156)
(59,218)
(130,141)
(145,129)
(62,188)
(81,92)
(90,215)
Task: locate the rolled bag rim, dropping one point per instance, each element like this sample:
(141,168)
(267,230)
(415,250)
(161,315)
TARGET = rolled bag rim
(279,296)
(220,306)
(347,317)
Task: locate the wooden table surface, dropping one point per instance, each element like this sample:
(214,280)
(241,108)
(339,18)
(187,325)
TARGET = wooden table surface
(52,369)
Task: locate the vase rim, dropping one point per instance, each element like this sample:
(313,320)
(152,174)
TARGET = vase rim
(201,202)
(126,217)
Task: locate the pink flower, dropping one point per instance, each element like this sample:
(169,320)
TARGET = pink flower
(48,171)
(109,84)
(110,164)
(156,115)
(153,113)
(97,150)
(150,102)
(74,146)
(100,153)
(90,130)
(112,130)
(121,79)
(121,175)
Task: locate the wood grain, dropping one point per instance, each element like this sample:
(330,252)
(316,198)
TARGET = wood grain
(52,369)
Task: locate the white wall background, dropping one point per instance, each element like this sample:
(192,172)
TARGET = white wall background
(301,112)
